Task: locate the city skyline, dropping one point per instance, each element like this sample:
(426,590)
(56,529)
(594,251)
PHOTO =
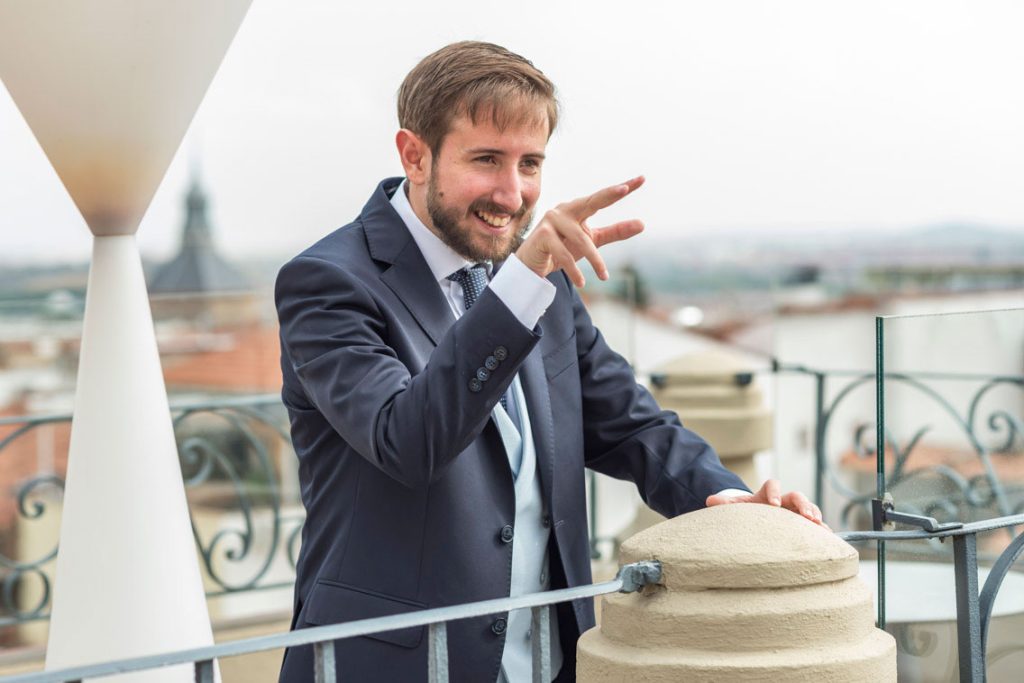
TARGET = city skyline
(792,118)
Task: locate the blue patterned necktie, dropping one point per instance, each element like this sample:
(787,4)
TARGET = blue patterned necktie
(473,279)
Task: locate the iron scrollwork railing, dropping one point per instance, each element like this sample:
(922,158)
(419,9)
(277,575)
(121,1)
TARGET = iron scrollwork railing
(233,453)
(939,489)
(28,506)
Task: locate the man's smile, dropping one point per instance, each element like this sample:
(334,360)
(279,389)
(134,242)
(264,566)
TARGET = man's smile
(492,219)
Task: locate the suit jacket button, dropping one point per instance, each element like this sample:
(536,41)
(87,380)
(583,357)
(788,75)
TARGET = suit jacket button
(482,374)
(475,385)
(546,521)
(501,353)
(507,533)
(499,626)
(491,363)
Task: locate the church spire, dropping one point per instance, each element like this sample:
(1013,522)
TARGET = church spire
(196,233)
(197,268)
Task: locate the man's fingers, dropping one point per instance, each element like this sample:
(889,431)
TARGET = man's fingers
(578,238)
(771,491)
(725,499)
(563,259)
(567,225)
(585,207)
(770,494)
(799,503)
(616,232)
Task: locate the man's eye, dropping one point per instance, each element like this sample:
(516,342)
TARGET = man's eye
(531,165)
(486,159)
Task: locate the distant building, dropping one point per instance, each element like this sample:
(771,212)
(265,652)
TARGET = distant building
(198,283)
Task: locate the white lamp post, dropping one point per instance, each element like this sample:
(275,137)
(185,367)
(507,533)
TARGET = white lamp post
(108,87)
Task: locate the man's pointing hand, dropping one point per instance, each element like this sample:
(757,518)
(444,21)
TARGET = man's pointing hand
(562,237)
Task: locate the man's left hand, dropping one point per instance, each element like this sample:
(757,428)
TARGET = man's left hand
(771,494)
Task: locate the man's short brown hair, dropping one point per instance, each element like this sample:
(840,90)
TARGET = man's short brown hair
(475,79)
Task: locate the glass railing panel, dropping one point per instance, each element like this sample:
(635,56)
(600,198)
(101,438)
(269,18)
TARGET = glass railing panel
(950,446)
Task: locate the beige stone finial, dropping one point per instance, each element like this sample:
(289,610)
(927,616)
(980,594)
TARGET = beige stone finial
(703,389)
(748,593)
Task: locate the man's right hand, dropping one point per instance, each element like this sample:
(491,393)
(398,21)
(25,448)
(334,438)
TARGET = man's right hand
(562,237)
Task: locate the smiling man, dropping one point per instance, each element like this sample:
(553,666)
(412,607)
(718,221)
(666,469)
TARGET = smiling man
(446,388)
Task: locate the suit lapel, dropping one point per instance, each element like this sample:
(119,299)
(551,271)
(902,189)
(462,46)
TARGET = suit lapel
(413,283)
(408,274)
(535,387)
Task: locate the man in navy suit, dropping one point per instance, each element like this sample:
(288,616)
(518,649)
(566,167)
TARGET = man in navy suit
(446,388)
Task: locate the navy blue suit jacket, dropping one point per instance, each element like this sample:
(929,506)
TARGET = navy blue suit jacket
(403,474)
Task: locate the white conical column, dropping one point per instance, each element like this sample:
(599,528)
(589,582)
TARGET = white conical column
(127,578)
(109,87)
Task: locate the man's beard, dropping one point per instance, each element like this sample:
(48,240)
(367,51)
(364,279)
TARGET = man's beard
(466,242)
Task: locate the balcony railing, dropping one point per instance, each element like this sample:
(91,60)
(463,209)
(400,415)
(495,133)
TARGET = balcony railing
(976,418)
(974,611)
(631,577)
(237,460)
(234,453)
(236,456)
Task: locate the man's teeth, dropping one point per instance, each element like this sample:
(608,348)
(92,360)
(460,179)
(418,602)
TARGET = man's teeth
(491,219)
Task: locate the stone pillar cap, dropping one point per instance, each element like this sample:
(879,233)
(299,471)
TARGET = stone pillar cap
(706,367)
(742,545)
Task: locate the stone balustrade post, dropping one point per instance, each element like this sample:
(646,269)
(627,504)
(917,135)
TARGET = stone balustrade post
(715,395)
(748,593)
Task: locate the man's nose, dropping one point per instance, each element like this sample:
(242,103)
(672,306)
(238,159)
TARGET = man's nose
(508,191)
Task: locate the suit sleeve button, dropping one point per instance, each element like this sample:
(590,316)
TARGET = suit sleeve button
(491,363)
(507,533)
(483,374)
(475,385)
(499,626)
(501,353)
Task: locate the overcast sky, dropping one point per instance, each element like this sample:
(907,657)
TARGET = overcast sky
(788,116)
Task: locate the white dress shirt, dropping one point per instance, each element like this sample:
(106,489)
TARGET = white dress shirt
(526,294)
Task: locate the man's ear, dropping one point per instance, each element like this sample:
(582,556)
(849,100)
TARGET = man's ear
(415,156)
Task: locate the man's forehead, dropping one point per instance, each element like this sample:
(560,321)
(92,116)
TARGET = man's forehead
(526,135)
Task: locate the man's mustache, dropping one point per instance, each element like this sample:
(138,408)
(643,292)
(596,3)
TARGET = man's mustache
(492,208)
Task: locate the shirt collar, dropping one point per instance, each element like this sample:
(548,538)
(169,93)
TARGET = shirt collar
(440,258)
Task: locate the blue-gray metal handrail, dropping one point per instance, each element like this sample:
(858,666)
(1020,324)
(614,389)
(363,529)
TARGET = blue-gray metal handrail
(631,577)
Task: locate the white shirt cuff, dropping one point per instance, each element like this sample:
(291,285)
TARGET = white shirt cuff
(525,293)
(733,493)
